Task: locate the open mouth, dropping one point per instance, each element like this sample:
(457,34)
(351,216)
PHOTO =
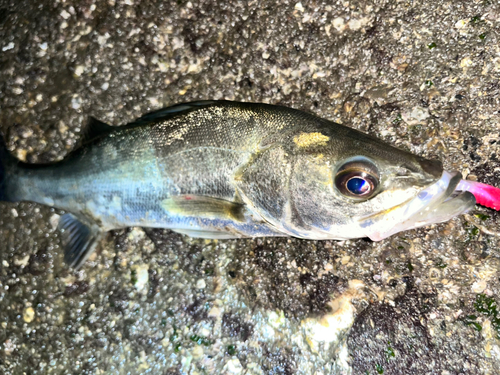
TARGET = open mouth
(441,201)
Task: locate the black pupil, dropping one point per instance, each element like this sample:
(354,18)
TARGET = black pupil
(358,186)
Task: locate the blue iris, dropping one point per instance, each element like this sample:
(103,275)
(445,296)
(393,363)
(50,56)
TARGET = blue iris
(358,186)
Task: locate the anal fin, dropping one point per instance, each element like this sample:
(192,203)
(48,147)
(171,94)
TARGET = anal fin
(79,240)
(211,235)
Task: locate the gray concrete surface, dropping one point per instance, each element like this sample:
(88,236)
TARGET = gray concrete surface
(421,75)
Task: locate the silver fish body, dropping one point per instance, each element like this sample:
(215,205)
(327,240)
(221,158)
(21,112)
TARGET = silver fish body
(218,169)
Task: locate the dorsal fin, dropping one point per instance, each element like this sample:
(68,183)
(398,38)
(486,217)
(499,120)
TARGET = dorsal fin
(95,129)
(169,112)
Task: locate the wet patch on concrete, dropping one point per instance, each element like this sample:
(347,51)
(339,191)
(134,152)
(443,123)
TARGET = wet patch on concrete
(395,338)
(291,275)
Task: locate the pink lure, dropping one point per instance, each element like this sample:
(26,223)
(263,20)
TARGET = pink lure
(486,195)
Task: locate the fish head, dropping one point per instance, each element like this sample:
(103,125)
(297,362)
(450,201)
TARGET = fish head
(338,183)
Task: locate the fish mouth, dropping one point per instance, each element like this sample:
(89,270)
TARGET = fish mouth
(436,203)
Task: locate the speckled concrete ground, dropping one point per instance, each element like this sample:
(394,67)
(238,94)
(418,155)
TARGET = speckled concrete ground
(421,75)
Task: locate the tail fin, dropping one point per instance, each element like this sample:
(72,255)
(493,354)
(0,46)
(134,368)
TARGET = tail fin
(6,161)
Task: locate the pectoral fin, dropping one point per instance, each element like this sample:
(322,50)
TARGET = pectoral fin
(79,239)
(204,207)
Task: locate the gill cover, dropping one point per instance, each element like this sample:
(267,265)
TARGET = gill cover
(287,183)
(263,185)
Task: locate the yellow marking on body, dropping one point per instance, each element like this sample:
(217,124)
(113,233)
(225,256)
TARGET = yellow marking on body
(304,140)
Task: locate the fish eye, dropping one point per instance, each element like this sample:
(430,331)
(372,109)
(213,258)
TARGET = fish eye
(357,179)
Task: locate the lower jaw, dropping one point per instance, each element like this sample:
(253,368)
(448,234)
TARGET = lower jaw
(434,204)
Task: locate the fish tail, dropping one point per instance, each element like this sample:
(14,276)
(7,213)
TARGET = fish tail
(3,178)
(7,163)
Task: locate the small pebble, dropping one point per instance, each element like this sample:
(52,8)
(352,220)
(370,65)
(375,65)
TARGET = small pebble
(142,277)
(76,102)
(466,62)
(54,221)
(299,7)
(200,284)
(79,70)
(233,366)
(8,46)
(214,312)
(28,314)
(22,262)
(65,14)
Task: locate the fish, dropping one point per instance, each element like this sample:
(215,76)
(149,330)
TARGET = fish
(222,170)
